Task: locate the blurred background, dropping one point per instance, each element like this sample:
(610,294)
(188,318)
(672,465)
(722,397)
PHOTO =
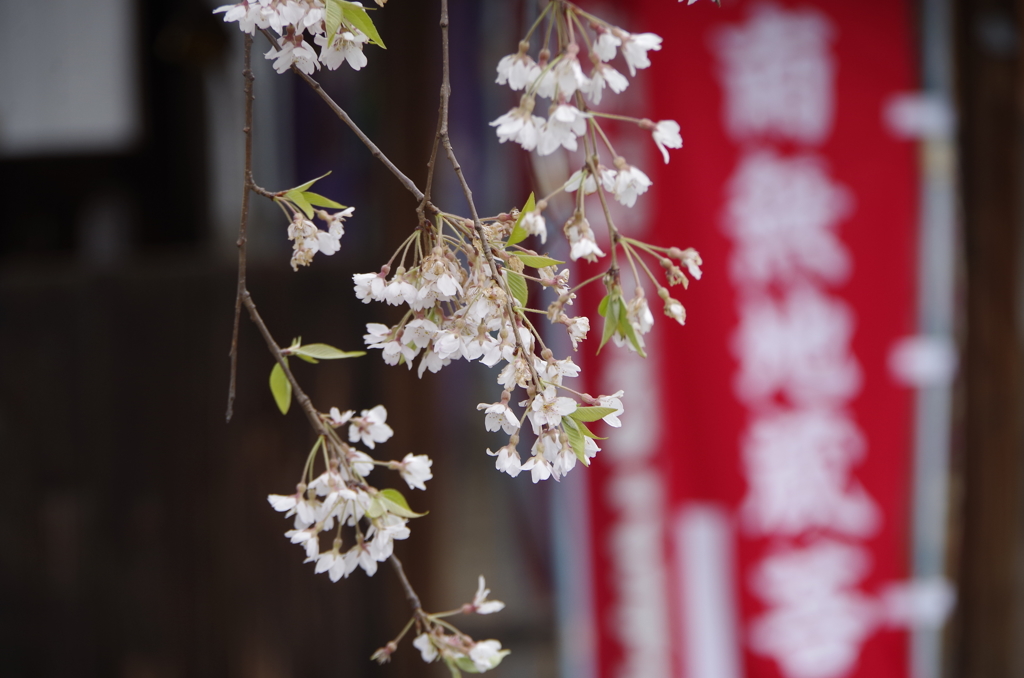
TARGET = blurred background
(135,537)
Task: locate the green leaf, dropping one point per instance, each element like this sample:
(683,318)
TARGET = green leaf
(611,318)
(602,308)
(517,284)
(395,503)
(356,15)
(591,413)
(332,18)
(304,187)
(376,508)
(533,261)
(281,388)
(325,352)
(517,235)
(306,358)
(576,440)
(518,232)
(466,664)
(586,431)
(320,201)
(626,329)
(451,667)
(300,201)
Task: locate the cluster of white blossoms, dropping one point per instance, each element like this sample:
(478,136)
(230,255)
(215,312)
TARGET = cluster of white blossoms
(461,311)
(340,496)
(573,89)
(339,28)
(465,285)
(467,297)
(307,239)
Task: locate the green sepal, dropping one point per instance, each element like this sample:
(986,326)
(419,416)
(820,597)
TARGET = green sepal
(576,440)
(611,318)
(466,664)
(304,187)
(626,329)
(452,667)
(300,201)
(519,233)
(586,431)
(376,508)
(517,285)
(356,15)
(324,352)
(320,201)
(591,413)
(395,503)
(281,388)
(534,261)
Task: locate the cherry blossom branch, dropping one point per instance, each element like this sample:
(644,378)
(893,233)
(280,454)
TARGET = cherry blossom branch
(243,222)
(468,192)
(340,112)
(244,298)
(410,593)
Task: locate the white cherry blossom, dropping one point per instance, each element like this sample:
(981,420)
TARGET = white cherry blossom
(245,14)
(568,75)
(415,470)
(480,603)
(347,45)
(419,332)
(605,46)
(582,243)
(520,125)
(369,287)
(369,427)
(628,183)
(563,126)
(508,460)
(578,328)
(427,650)
(666,135)
(548,408)
(538,467)
(518,70)
(635,47)
(298,53)
(487,654)
(673,309)
(500,415)
(603,75)
(613,400)
(691,259)
(534,224)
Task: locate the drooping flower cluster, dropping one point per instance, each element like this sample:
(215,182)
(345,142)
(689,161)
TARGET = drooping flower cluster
(461,311)
(574,90)
(340,496)
(466,290)
(339,28)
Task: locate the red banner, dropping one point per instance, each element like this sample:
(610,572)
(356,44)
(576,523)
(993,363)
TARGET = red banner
(751,514)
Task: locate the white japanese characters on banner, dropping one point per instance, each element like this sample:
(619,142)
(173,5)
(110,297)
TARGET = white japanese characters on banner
(797,373)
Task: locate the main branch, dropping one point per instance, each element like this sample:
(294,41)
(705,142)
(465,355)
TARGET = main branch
(243,298)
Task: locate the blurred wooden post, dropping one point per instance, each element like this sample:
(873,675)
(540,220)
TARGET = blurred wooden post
(988,633)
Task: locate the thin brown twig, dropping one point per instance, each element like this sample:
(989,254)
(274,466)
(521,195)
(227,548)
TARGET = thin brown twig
(243,298)
(431,164)
(485,246)
(410,594)
(243,222)
(340,112)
